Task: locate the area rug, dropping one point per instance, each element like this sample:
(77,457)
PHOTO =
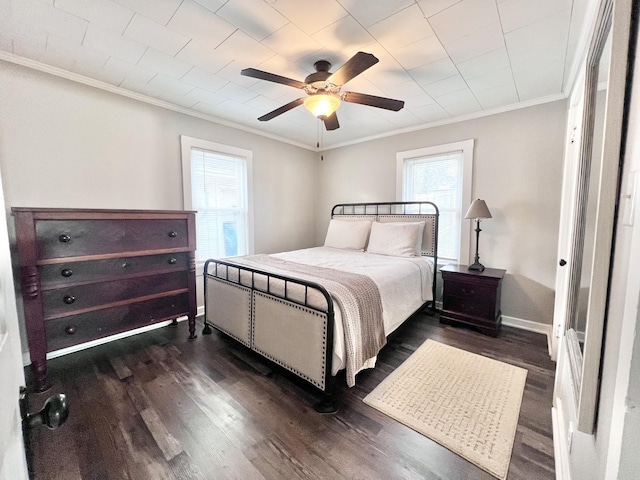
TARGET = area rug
(466,402)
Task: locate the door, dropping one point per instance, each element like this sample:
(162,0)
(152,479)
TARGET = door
(567,212)
(13,465)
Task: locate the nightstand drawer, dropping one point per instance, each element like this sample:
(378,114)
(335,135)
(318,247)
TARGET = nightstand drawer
(469,290)
(469,305)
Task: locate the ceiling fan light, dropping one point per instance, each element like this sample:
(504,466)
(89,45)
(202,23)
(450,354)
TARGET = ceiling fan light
(322,105)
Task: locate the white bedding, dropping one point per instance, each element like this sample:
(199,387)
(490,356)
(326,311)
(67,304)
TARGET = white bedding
(404,284)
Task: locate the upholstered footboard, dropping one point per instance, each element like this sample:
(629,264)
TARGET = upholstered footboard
(287,320)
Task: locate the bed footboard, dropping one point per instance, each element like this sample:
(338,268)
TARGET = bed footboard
(287,320)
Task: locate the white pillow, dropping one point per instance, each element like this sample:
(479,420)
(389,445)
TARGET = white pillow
(347,234)
(400,239)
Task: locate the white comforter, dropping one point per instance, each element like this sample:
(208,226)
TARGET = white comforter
(404,284)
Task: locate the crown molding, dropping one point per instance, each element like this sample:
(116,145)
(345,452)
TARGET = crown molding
(74,77)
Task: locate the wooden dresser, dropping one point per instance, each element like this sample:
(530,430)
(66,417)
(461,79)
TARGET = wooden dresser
(88,274)
(472,297)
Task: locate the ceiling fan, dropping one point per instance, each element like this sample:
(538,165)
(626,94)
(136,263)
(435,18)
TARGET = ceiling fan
(323,89)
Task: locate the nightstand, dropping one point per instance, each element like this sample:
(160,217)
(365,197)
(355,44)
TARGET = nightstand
(472,297)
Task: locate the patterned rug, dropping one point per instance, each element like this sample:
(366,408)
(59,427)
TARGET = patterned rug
(466,402)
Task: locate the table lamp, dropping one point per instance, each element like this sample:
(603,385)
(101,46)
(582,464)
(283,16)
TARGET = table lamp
(477,211)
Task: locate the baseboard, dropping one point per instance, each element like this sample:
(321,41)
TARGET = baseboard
(542,328)
(26,358)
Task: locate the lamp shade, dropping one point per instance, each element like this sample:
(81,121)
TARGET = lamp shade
(322,105)
(478,209)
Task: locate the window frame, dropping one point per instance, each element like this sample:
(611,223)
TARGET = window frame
(187,144)
(467,149)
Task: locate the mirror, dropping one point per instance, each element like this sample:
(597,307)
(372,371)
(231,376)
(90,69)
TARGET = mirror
(595,205)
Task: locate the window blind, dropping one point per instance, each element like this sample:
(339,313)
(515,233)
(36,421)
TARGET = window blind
(438,179)
(219,194)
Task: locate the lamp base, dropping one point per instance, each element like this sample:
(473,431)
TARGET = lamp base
(476,266)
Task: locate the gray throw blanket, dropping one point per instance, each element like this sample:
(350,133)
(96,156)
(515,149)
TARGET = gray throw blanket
(357,296)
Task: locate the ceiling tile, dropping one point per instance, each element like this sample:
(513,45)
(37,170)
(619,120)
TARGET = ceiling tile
(515,14)
(430,113)
(434,71)
(497,96)
(419,53)
(212,5)
(160,11)
(129,71)
(262,22)
(178,99)
(62,47)
(103,12)
(463,108)
(491,79)
(481,41)
(459,96)
(163,84)
(464,18)
(195,21)
(206,96)
(401,29)
(236,93)
(105,41)
(403,90)
(485,63)
(310,18)
(232,73)
(156,36)
(204,79)
(203,56)
(367,13)
(22,19)
(445,86)
(344,35)
(292,43)
(245,49)
(538,42)
(416,101)
(163,63)
(281,66)
(539,80)
(431,7)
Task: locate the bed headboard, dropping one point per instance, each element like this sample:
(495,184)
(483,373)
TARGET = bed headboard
(397,212)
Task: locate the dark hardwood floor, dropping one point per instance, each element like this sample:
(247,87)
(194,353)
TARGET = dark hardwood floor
(157,405)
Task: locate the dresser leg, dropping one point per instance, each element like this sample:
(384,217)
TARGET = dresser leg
(192,328)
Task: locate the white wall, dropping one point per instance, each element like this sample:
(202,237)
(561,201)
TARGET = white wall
(517,171)
(63,144)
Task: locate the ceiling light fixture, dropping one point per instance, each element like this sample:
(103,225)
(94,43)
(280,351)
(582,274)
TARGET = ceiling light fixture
(321,104)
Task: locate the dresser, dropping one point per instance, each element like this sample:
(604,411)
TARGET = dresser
(88,274)
(472,297)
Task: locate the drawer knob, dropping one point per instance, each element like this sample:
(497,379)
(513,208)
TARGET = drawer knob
(67,272)
(69,299)
(173,234)
(172,261)
(64,238)
(70,330)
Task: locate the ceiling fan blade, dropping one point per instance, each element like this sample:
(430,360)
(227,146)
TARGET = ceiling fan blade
(373,101)
(281,110)
(354,66)
(272,77)
(331,122)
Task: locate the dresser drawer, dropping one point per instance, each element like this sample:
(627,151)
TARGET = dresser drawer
(69,300)
(65,332)
(73,238)
(61,274)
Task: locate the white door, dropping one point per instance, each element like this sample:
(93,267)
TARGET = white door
(567,212)
(12,458)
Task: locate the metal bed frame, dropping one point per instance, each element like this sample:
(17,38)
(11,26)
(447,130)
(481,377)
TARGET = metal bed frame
(277,289)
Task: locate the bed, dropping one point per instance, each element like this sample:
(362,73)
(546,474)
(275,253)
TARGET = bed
(319,311)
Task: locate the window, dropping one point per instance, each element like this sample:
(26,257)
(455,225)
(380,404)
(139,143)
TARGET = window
(216,180)
(441,175)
